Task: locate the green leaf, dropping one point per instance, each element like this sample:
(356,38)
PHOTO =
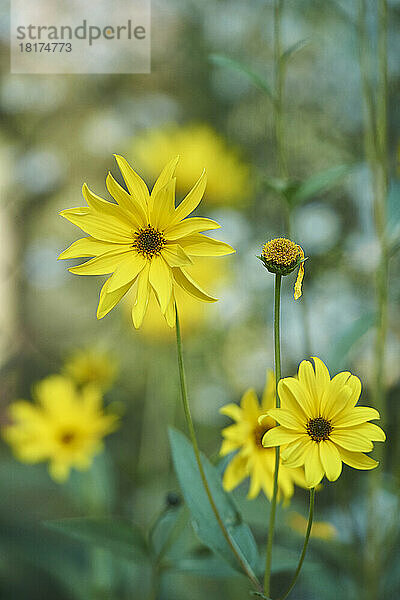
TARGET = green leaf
(225,61)
(344,344)
(119,535)
(204,521)
(320,182)
(292,50)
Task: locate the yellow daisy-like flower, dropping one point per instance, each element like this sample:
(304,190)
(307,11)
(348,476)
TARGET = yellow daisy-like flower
(200,146)
(143,239)
(63,426)
(91,366)
(252,459)
(320,424)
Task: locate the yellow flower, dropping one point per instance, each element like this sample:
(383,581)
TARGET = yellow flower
(252,460)
(320,529)
(282,256)
(229,180)
(143,238)
(192,313)
(63,426)
(91,366)
(320,424)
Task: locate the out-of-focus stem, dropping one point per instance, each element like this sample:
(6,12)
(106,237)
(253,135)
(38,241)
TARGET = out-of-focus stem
(277,347)
(279,88)
(376,150)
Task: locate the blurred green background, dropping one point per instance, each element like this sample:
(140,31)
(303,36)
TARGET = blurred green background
(60,131)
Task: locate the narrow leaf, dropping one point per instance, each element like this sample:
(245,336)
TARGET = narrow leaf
(320,182)
(204,521)
(225,61)
(344,344)
(293,49)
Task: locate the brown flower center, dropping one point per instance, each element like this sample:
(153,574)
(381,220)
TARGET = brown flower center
(259,432)
(67,437)
(148,241)
(319,429)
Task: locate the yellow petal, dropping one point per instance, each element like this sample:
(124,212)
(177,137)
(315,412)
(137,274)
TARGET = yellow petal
(135,184)
(89,246)
(269,397)
(192,200)
(297,398)
(355,384)
(163,206)
(109,300)
(165,176)
(187,283)
(349,439)
(100,226)
(175,256)
(170,313)
(249,405)
(321,375)
(358,460)
(371,431)
(160,278)
(142,297)
(330,459)
(312,466)
(299,280)
(295,453)
(227,447)
(232,410)
(307,379)
(59,471)
(101,265)
(335,397)
(127,270)
(128,203)
(280,435)
(355,416)
(287,419)
(190,226)
(198,244)
(234,473)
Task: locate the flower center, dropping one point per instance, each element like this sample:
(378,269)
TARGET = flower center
(148,241)
(319,429)
(259,432)
(67,438)
(281,252)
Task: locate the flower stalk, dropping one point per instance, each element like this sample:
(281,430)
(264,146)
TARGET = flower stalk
(182,377)
(272,514)
(306,539)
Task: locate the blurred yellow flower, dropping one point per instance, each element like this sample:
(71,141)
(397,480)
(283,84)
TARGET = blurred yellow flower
(63,426)
(320,424)
(91,366)
(192,313)
(143,238)
(252,460)
(229,180)
(320,529)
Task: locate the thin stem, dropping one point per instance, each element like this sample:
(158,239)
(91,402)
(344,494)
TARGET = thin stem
(243,563)
(303,552)
(272,514)
(279,88)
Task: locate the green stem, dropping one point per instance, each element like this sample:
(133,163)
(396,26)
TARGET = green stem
(303,552)
(272,514)
(279,85)
(243,563)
